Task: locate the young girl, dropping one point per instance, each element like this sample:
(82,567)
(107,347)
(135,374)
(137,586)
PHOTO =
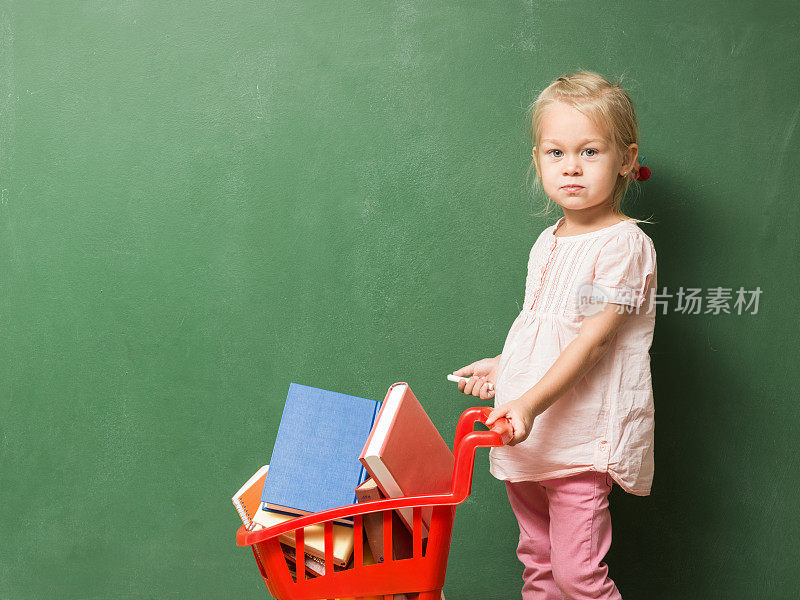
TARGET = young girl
(574,374)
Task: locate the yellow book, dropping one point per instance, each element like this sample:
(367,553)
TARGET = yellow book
(314,538)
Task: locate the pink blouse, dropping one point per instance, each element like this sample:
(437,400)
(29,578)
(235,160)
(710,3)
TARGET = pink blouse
(605,422)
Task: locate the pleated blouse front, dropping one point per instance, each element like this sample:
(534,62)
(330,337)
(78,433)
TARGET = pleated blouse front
(605,422)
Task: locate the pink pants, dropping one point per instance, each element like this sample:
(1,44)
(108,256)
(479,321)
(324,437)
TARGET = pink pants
(564,533)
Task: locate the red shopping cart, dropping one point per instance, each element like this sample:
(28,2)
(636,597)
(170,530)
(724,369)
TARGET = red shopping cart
(422,574)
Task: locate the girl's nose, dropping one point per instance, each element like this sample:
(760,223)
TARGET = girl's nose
(572,167)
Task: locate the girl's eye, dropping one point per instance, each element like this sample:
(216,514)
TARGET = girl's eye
(587,150)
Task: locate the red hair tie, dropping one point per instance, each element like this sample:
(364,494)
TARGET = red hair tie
(641,173)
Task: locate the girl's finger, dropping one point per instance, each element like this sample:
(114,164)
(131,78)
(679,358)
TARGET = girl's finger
(469,385)
(476,391)
(517,435)
(494,415)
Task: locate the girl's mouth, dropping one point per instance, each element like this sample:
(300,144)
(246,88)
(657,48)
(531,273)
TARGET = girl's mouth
(572,188)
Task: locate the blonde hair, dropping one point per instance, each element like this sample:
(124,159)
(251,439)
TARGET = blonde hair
(607,105)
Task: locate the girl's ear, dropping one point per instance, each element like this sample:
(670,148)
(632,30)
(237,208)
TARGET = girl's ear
(629,157)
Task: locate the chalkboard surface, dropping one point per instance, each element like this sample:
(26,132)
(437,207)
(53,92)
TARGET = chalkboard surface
(201,202)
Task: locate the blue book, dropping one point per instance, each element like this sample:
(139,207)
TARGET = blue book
(314,464)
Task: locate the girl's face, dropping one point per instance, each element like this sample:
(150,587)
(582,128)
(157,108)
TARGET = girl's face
(577,161)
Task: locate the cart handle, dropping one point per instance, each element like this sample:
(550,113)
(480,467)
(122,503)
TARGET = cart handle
(465,443)
(499,435)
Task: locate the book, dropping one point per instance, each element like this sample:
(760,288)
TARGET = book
(314,464)
(314,536)
(248,499)
(314,565)
(402,540)
(405,454)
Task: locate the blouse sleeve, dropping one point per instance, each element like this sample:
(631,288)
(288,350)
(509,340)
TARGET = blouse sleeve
(624,269)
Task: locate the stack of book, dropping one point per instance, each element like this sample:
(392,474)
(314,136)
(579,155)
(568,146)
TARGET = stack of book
(334,450)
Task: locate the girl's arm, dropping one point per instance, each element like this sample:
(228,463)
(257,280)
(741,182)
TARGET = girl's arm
(593,341)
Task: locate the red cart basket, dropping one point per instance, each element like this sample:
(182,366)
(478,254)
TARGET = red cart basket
(422,574)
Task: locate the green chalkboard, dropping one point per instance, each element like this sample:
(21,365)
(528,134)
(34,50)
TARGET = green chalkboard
(201,202)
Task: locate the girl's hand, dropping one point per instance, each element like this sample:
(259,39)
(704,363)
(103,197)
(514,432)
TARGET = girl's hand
(521,416)
(481,373)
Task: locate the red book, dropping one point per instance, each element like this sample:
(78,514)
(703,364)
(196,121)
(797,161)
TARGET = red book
(405,454)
